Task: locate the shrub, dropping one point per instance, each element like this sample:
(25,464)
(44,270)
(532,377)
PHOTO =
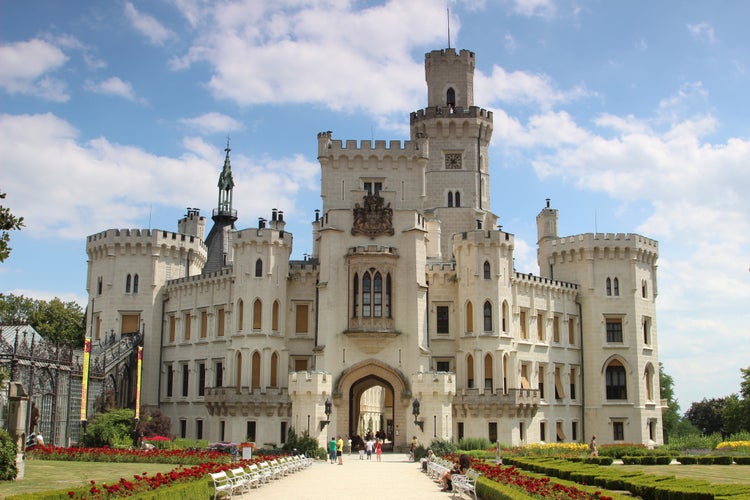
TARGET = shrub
(742,460)
(442,447)
(687,459)
(303,443)
(8,469)
(468,443)
(113,428)
(723,460)
(694,442)
(419,453)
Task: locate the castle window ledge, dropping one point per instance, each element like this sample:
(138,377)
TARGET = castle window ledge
(615,346)
(441,337)
(506,335)
(648,349)
(488,334)
(381,324)
(617,402)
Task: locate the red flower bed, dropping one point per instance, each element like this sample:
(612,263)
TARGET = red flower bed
(190,457)
(538,487)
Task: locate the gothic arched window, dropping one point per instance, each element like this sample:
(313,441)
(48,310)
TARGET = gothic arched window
(450,198)
(487,316)
(258,268)
(135,283)
(450,98)
(617,387)
(127,283)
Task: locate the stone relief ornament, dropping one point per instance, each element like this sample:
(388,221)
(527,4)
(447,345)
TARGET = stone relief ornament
(374,218)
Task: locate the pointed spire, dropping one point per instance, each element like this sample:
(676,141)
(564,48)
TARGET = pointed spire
(226,184)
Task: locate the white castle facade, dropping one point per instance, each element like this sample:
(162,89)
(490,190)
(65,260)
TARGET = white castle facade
(407,318)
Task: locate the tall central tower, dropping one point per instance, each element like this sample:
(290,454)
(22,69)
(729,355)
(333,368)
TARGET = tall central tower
(457,175)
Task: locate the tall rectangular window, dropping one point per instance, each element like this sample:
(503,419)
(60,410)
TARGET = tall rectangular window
(460,431)
(542,369)
(556,329)
(559,389)
(170,380)
(540,327)
(204,324)
(183,428)
(199,429)
(443,319)
(571,331)
(219,372)
(542,431)
(201,379)
(185,380)
(492,431)
(614,330)
(222,430)
(172,328)
(187,326)
(250,431)
(522,320)
(574,431)
(522,431)
(220,323)
(618,431)
(283,432)
(301,318)
(572,383)
(300,365)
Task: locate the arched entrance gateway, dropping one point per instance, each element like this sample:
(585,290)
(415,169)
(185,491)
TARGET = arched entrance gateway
(373,396)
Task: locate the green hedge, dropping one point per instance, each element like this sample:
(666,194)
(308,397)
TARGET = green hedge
(200,488)
(488,489)
(647,486)
(742,460)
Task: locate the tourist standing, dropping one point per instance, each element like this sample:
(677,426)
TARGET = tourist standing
(378,449)
(340,450)
(332,450)
(368,448)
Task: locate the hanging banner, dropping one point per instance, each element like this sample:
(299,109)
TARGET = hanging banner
(85,379)
(138,385)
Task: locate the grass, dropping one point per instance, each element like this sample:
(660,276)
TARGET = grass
(44,475)
(712,473)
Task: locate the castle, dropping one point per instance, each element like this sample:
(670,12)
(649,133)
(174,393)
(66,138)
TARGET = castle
(408,318)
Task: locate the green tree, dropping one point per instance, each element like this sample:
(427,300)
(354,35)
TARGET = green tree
(670,414)
(56,321)
(8,222)
(745,384)
(706,415)
(734,417)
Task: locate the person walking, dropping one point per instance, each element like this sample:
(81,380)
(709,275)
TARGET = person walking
(593,449)
(378,449)
(348,447)
(368,447)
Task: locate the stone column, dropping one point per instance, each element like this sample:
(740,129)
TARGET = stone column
(17,408)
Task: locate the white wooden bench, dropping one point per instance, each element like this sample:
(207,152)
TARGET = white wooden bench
(224,484)
(465,483)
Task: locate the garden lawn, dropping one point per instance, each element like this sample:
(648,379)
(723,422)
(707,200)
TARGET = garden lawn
(43,475)
(711,473)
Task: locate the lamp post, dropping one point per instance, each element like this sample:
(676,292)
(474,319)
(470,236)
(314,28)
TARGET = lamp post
(415,412)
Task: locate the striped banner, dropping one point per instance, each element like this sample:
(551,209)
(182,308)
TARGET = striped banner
(138,385)
(85,381)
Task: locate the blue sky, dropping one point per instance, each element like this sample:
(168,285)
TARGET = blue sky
(631,116)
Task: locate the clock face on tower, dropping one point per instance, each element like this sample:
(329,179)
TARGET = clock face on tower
(453,161)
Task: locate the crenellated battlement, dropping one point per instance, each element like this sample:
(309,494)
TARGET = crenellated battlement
(484,237)
(604,241)
(448,113)
(225,273)
(144,237)
(449,56)
(539,280)
(264,235)
(381,149)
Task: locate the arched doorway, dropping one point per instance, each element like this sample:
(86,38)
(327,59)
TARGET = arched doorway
(385,384)
(371,411)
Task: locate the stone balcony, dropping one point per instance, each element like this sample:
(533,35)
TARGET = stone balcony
(228,401)
(488,403)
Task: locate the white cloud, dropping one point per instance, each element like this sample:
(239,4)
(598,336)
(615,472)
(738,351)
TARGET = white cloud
(703,32)
(148,26)
(113,86)
(26,68)
(99,184)
(212,123)
(530,8)
(342,47)
(520,87)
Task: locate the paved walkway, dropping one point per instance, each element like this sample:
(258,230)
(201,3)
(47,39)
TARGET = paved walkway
(393,477)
